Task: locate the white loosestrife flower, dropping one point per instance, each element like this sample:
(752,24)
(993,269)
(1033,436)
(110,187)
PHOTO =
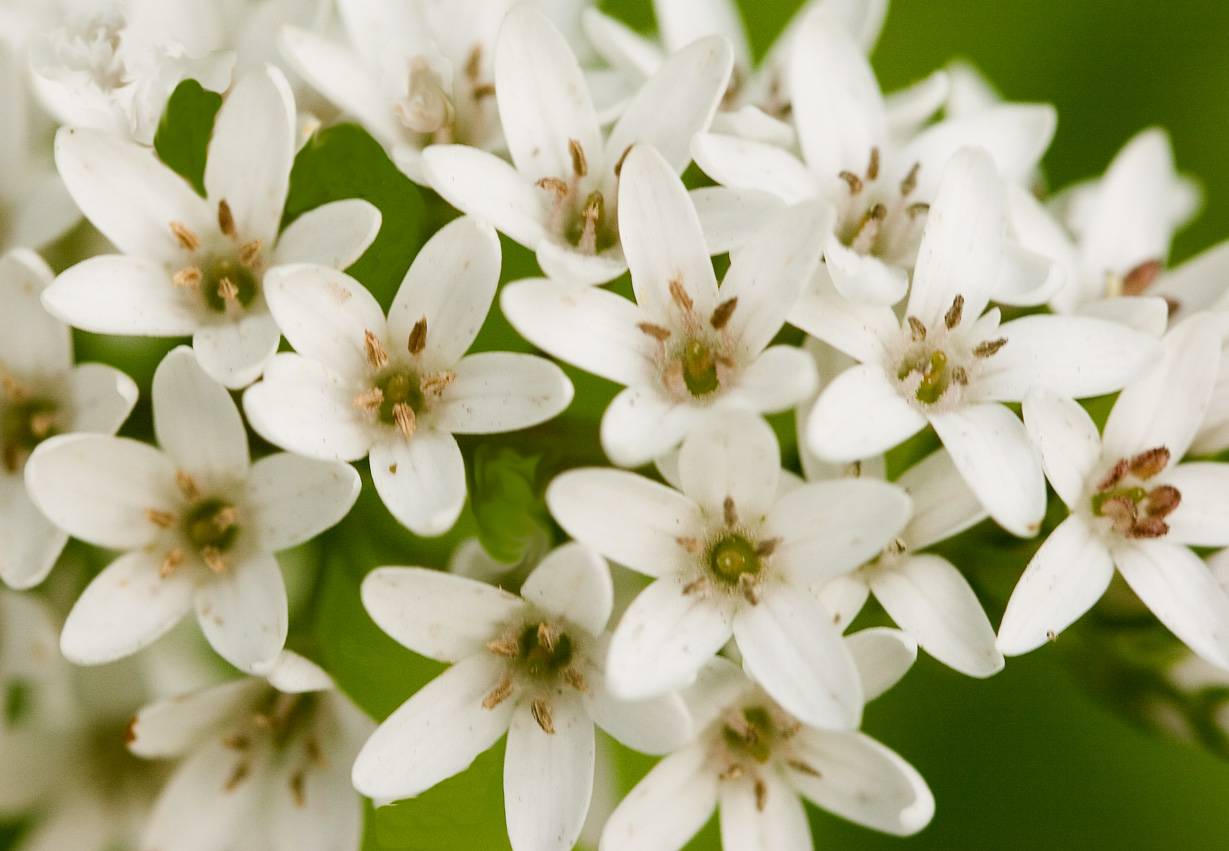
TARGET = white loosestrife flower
(198,521)
(732,555)
(530,666)
(560,195)
(398,389)
(950,364)
(193,265)
(1133,506)
(42,394)
(264,763)
(686,350)
(754,761)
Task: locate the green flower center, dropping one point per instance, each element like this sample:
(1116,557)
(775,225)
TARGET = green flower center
(18,698)
(732,556)
(225,280)
(699,363)
(751,734)
(398,387)
(211,524)
(23,426)
(544,651)
(935,372)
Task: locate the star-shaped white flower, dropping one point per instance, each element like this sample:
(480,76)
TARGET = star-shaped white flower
(685,350)
(398,389)
(199,523)
(263,763)
(1133,506)
(948,363)
(754,762)
(41,394)
(530,666)
(732,555)
(560,195)
(193,265)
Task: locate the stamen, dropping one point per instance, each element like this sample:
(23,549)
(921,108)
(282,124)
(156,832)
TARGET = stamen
(987,348)
(403,416)
(918,209)
(655,331)
(297,789)
(618,166)
(680,296)
(729,511)
(187,278)
(547,635)
(872,168)
(172,560)
(212,557)
(186,238)
(369,400)
(507,647)
(761,795)
(160,518)
(591,216)
(952,318)
(249,253)
(418,336)
(236,742)
(910,182)
(236,777)
(575,679)
(695,585)
(747,587)
(1138,279)
(580,164)
(732,772)
(767,547)
(225,518)
(540,710)
(227,291)
(691,545)
(1162,500)
(187,485)
(852,181)
(434,384)
(226,219)
(484,90)
(1149,527)
(1114,476)
(41,424)
(374,349)
(723,312)
(916,329)
(498,694)
(1149,462)
(553,185)
(13,389)
(473,62)
(803,767)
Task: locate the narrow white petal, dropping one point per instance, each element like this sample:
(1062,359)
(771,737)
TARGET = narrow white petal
(572,582)
(777,380)
(732,457)
(754,124)
(563,261)
(291,499)
(863,277)
(860,414)
(32,341)
(243,612)
(1067,439)
(235,353)
(629,519)
(656,725)
(100,398)
(667,807)
(548,778)
(123,295)
(1197,284)
(488,188)
(641,423)
(316,809)
(856,328)
(421,480)
(682,22)
(31,542)
(1146,314)
(306,408)
(943,504)
(622,47)
(729,216)
(760,166)
(911,108)
(1202,517)
(883,656)
(494,392)
(764,814)
(295,674)
(175,725)
(334,234)
(843,597)
(46,213)
(197,424)
(1027,278)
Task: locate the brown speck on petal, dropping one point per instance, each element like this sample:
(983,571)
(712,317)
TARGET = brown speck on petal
(392,469)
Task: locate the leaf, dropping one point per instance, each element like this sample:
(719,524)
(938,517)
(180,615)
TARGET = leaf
(183,133)
(507,501)
(346,162)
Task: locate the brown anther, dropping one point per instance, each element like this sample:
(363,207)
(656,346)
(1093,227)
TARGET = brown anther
(187,240)
(187,485)
(507,647)
(1051,636)
(575,679)
(877,212)
(680,296)
(618,166)
(435,383)
(691,545)
(187,278)
(872,168)
(484,90)
(591,217)
(553,185)
(1149,527)
(918,209)
(249,253)
(580,163)
(13,389)
(803,767)
(732,772)
(377,358)
(1114,476)
(1172,306)
(314,754)
(761,795)
(723,312)
(1121,511)
(729,511)
(852,181)
(42,424)
(212,557)
(473,62)
(952,318)
(748,588)
(655,331)
(987,348)
(1138,279)
(910,182)
(854,470)
(498,694)
(226,219)
(403,416)
(960,375)
(547,636)
(1162,500)
(227,291)
(540,710)
(237,776)
(694,586)
(1149,462)
(225,518)
(767,547)
(369,400)
(917,330)
(172,560)
(236,742)
(298,789)
(161,519)
(418,337)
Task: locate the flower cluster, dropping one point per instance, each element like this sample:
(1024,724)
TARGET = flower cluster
(858,330)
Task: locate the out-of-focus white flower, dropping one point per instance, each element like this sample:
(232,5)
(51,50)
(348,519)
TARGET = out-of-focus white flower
(193,265)
(732,555)
(264,763)
(1133,506)
(198,521)
(530,666)
(686,350)
(951,365)
(398,389)
(560,195)
(754,762)
(41,394)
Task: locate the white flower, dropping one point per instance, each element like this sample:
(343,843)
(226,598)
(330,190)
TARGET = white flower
(193,265)
(41,394)
(264,763)
(111,67)
(686,350)
(1112,238)
(198,522)
(1133,506)
(948,365)
(879,176)
(559,196)
(753,760)
(732,555)
(530,666)
(399,389)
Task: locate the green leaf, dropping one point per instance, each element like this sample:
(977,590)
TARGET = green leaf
(183,133)
(507,501)
(346,162)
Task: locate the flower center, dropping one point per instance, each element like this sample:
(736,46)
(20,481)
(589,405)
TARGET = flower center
(872,227)
(732,556)
(211,524)
(935,373)
(1134,509)
(398,388)
(24,424)
(18,699)
(544,650)
(750,734)
(587,224)
(699,367)
(225,281)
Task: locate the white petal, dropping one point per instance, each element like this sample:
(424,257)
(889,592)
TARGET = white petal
(862,18)
(100,398)
(641,423)
(291,499)
(32,341)
(334,234)
(253,178)
(855,328)
(123,295)
(991,449)
(663,639)
(627,518)
(732,457)
(316,809)
(129,195)
(780,378)
(565,262)
(1027,278)
(682,22)
(661,237)
(764,814)
(860,414)
(729,216)
(488,188)
(127,607)
(843,597)
(295,674)
(622,47)
(790,647)
(1146,314)
(421,480)
(1180,590)
(31,542)
(829,528)
(243,612)
(98,488)
(306,408)
(910,108)
(197,424)
(543,101)
(235,353)
(943,505)
(494,392)
(435,734)
(1072,355)
(173,726)
(861,780)
(46,213)
(748,165)
(1065,578)
(1202,517)
(451,284)
(548,779)
(657,725)
(667,807)
(677,102)
(1067,439)
(591,328)
(572,582)
(1197,284)
(863,277)
(883,656)
(754,124)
